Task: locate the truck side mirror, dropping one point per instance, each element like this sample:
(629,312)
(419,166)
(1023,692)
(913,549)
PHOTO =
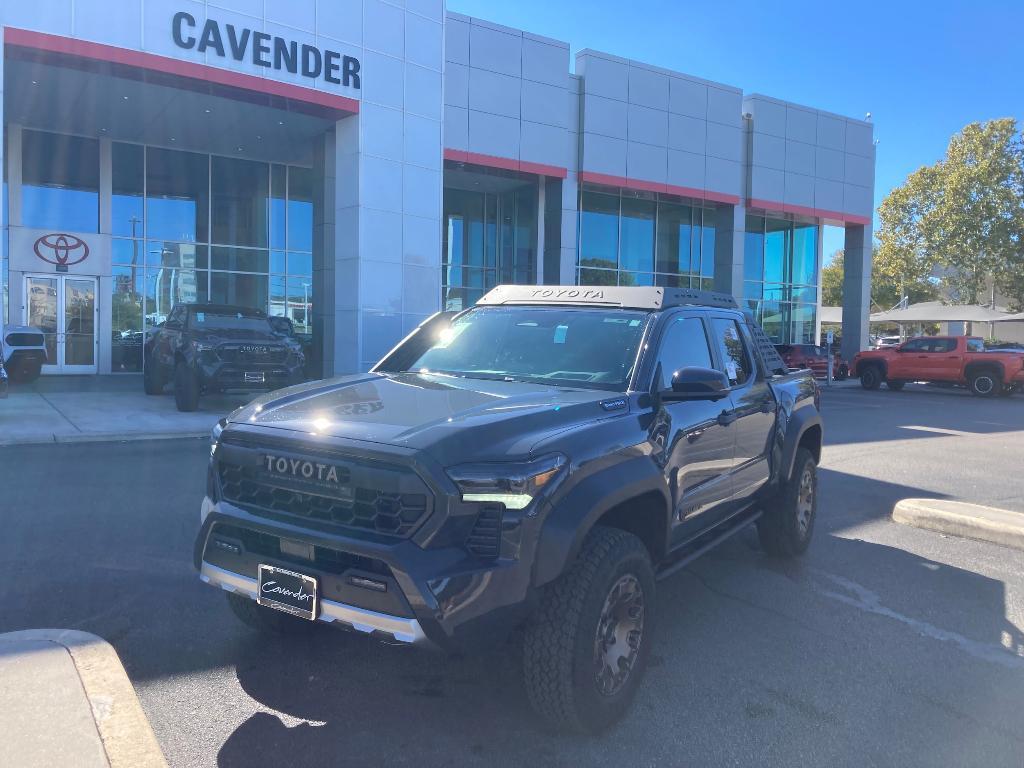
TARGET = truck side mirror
(696,383)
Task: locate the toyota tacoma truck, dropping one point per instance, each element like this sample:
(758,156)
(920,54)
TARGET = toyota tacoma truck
(218,348)
(959,360)
(530,466)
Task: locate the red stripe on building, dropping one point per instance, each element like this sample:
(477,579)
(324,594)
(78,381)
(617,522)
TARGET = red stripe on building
(803,210)
(505,163)
(83,49)
(654,186)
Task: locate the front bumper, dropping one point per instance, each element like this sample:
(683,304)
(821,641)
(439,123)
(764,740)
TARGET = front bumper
(360,619)
(221,376)
(440,597)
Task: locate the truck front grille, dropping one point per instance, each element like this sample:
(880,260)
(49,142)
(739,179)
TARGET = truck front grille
(382,507)
(235,353)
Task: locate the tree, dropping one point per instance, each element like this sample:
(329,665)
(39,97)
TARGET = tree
(962,217)
(890,282)
(832,281)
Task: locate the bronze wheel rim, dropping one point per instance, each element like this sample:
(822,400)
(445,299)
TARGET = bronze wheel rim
(619,635)
(805,501)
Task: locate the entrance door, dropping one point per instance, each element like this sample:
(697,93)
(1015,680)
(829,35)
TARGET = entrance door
(64,309)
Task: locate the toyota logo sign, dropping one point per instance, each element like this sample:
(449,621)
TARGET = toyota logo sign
(61,249)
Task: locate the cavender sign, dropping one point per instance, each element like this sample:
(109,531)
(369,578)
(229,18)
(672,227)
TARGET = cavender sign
(265,50)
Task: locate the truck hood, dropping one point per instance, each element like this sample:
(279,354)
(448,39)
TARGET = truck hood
(444,415)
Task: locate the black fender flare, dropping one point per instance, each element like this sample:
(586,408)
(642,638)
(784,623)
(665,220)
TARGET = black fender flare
(981,365)
(800,421)
(571,518)
(872,361)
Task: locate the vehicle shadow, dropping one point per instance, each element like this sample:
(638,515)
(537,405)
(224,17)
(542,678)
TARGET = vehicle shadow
(832,659)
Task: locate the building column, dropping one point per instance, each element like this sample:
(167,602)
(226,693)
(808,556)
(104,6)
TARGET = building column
(539,245)
(730,227)
(570,228)
(856,288)
(819,248)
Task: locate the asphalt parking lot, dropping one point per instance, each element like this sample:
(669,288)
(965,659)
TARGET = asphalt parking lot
(885,645)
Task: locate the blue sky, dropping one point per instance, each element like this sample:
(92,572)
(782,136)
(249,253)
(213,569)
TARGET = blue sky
(923,70)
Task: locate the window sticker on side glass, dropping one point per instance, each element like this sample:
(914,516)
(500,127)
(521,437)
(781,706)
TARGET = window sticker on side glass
(200,317)
(560,333)
(730,370)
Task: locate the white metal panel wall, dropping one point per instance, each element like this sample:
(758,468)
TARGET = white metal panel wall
(808,160)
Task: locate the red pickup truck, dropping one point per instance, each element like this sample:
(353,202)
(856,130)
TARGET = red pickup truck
(951,359)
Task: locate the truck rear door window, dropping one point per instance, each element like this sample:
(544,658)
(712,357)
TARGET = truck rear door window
(732,350)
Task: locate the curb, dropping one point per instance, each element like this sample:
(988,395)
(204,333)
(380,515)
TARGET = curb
(957,518)
(126,734)
(102,437)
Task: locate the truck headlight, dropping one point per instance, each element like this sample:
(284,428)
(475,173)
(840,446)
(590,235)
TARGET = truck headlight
(513,484)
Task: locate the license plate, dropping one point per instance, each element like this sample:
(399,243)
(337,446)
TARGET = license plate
(287,591)
(254,377)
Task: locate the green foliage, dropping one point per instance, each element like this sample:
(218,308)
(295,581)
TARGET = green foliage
(889,284)
(832,281)
(962,217)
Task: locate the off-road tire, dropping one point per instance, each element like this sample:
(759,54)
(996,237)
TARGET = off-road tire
(21,372)
(186,388)
(779,527)
(985,383)
(871,377)
(843,373)
(151,381)
(267,620)
(895,385)
(559,644)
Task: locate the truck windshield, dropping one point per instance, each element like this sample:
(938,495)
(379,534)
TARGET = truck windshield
(592,348)
(225,320)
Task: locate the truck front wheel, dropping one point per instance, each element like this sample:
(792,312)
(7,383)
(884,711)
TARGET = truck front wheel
(585,650)
(871,377)
(786,526)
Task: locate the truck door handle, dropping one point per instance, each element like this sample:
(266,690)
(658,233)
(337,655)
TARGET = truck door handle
(725,418)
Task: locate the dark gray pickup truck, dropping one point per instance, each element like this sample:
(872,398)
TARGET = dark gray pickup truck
(535,463)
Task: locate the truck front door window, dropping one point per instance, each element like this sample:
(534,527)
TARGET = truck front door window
(684,345)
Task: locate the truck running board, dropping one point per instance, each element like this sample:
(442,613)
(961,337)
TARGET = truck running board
(693,549)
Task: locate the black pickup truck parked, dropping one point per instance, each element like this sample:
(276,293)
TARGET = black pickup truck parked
(216,348)
(536,462)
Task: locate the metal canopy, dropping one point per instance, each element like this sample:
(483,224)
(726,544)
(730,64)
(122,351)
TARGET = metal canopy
(937,312)
(606,296)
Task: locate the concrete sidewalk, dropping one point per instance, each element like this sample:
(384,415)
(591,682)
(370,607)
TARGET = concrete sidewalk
(65,700)
(86,408)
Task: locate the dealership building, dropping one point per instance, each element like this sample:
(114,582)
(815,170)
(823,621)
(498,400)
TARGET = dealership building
(357,165)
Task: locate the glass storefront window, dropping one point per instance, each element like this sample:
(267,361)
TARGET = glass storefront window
(753,249)
(599,231)
(177,195)
(128,180)
(60,182)
(239,259)
(239,194)
(805,250)
(300,209)
(637,234)
(163,254)
(126,319)
(278,206)
(776,250)
(240,289)
(674,231)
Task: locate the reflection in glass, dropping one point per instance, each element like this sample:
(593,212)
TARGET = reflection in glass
(79,322)
(126,319)
(805,262)
(300,304)
(674,239)
(599,231)
(239,259)
(753,249)
(278,206)
(42,311)
(776,250)
(240,191)
(60,182)
(177,195)
(636,251)
(240,290)
(165,254)
(300,264)
(128,176)
(300,209)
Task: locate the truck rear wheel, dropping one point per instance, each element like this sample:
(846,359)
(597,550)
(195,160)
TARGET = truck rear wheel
(586,649)
(895,384)
(871,377)
(786,526)
(985,383)
(186,388)
(264,619)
